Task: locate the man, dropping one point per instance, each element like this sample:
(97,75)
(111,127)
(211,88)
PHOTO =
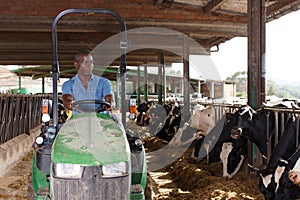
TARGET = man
(85,85)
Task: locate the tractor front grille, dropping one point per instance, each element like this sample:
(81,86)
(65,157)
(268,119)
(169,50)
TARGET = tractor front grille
(92,186)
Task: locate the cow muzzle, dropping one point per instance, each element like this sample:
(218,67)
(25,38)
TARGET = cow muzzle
(293,176)
(236,133)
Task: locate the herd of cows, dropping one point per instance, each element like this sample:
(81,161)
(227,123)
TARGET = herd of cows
(227,138)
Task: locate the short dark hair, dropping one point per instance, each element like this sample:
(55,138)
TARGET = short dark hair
(80,54)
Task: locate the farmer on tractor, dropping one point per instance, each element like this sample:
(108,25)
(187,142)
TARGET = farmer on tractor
(86,85)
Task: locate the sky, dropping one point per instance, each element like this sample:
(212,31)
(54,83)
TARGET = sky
(282,51)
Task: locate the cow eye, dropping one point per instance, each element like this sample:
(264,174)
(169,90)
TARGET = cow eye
(208,115)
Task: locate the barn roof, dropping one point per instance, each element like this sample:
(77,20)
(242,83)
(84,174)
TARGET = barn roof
(25,34)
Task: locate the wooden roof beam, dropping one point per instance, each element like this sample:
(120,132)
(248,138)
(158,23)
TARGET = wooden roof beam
(158,2)
(281,5)
(213,5)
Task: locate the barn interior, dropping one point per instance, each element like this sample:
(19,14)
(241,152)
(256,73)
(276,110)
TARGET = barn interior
(26,33)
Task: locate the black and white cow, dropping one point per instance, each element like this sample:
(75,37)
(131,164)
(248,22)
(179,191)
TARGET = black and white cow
(287,185)
(250,125)
(158,114)
(294,175)
(143,116)
(229,123)
(210,145)
(195,130)
(234,151)
(274,178)
(171,123)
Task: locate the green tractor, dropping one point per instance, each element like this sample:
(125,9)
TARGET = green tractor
(90,156)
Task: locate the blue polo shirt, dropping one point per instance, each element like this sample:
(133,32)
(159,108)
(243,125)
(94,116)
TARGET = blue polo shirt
(98,88)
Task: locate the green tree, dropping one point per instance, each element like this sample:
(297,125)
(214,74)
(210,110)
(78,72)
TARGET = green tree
(271,88)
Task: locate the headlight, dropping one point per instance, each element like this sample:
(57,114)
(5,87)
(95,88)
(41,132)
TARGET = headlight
(138,142)
(68,170)
(116,169)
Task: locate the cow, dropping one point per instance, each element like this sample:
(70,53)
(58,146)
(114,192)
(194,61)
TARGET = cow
(143,118)
(234,150)
(208,134)
(199,124)
(223,137)
(250,125)
(204,119)
(158,114)
(295,172)
(281,182)
(171,123)
(257,126)
(205,135)
(208,145)
(274,182)
(287,182)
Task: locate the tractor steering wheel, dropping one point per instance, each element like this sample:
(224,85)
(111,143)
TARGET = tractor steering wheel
(78,106)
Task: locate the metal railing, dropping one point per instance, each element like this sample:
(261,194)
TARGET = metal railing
(19,113)
(281,116)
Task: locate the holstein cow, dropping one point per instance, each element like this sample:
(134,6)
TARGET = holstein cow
(272,184)
(158,115)
(170,124)
(186,134)
(287,182)
(229,123)
(252,125)
(200,123)
(206,134)
(294,174)
(143,116)
(234,151)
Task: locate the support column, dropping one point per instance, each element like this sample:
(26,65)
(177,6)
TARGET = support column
(186,75)
(118,93)
(164,83)
(199,88)
(145,83)
(256,52)
(159,77)
(43,85)
(256,59)
(138,85)
(212,89)
(173,85)
(20,81)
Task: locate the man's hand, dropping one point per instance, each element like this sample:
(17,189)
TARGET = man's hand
(108,98)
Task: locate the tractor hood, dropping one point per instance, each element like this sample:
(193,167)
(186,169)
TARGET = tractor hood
(90,139)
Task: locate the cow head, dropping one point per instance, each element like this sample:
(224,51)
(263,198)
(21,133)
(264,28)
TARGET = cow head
(244,122)
(143,107)
(204,119)
(294,173)
(176,110)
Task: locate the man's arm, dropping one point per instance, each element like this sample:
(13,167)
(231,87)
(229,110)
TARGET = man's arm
(67,91)
(107,91)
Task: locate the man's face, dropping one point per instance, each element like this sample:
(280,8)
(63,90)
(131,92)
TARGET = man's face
(86,65)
